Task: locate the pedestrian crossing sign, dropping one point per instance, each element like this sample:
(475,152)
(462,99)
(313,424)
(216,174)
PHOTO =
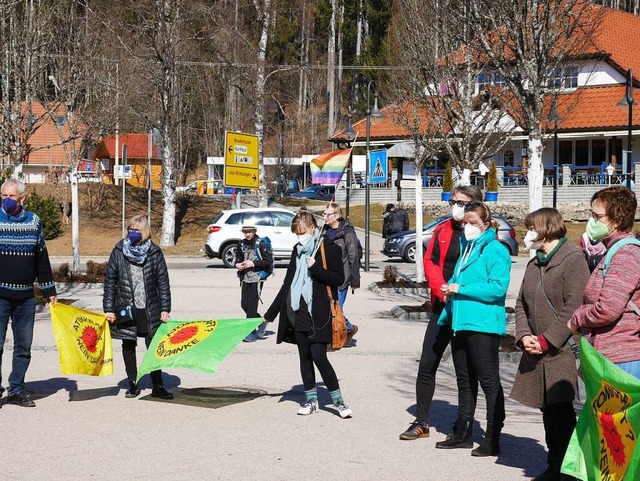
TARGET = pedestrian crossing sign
(378,167)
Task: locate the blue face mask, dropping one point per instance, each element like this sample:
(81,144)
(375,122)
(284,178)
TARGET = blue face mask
(9,205)
(135,237)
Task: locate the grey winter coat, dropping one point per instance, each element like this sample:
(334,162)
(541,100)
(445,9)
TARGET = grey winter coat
(347,239)
(554,372)
(118,288)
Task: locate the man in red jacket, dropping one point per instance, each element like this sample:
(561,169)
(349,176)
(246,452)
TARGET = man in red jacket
(439,261)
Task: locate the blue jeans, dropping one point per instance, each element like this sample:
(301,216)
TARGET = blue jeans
(22,314)
(342,296)
(632,367)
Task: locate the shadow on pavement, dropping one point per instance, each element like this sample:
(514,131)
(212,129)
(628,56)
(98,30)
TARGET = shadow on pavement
(511,454)
(46,387)
(209,397)
(93,394)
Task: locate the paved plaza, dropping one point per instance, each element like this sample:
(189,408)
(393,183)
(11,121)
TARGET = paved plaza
(84,428)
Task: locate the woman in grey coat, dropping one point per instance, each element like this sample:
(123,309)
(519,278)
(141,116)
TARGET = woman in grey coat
(552,288)
(137,278)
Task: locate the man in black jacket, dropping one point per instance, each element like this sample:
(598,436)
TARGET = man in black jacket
(253,258)
(343,234)
(399,219)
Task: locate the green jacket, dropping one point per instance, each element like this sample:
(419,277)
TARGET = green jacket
(482,273)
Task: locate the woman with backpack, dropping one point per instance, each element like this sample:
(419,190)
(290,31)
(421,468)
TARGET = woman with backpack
(551,290)
(607,317)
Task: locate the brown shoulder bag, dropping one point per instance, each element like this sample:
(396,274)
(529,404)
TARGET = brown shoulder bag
(338,322)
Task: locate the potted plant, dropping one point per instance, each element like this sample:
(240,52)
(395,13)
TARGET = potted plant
(447,183)
(492,184)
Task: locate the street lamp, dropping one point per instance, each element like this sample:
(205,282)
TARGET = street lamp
(628,101)
(349,135)
(553,115)
(610,170)
(375,113)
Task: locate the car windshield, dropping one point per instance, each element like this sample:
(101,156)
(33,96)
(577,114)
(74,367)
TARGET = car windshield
(312,189)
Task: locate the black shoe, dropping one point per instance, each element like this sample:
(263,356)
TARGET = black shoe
(21,399)
(461,436)
(161,393)
(133,391)
(489,447)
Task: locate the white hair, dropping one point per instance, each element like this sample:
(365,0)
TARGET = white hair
(18,183)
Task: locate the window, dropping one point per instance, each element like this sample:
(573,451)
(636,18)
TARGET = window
(563,78)
(262,218)
(281,219)
(582,152)
(234,219)
(565,152)
(508,158)
(598,152)
(485,79)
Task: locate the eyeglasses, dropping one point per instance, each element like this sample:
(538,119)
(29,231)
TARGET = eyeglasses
(328,214)
(472,206)
(597,216)
(459,203)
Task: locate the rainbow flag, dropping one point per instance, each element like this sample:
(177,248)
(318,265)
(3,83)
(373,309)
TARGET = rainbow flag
(328,168)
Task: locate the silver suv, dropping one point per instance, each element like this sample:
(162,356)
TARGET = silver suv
(224,233)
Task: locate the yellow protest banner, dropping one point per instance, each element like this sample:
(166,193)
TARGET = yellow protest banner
(83,339)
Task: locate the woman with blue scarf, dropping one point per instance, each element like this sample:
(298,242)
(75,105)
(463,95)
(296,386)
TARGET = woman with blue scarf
(137,281)
(305,312)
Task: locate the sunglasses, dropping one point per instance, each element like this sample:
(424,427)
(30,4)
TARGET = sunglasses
(471,206)
(459,203)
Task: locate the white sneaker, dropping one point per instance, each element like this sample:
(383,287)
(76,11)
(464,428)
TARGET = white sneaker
(343,410)
(309,407)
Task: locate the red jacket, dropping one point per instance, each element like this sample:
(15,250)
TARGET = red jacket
(441,235)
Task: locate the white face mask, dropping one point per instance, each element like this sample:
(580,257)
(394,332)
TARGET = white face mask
(472,232)
(304,238)
(529,240)
(457,212)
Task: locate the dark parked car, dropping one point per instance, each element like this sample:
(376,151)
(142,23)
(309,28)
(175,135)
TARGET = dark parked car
(403,244)
(316,192)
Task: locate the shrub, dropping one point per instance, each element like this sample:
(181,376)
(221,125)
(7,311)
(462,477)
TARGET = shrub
(390,275)
(48,209)
(492,178)
(96,272)
(447,181)
(97,269)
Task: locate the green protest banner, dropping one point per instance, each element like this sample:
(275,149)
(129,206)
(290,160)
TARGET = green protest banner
(604,444)
(197,345)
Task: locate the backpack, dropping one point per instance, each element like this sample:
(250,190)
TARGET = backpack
(268,271)
(360,251)
(614,248)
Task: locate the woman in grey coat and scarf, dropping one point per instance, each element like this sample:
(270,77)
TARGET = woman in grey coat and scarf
(552,288)
(305,312)
(137,278)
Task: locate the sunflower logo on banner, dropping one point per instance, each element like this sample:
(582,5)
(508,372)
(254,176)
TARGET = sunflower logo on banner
(83,339)
(604,444)
(197,345)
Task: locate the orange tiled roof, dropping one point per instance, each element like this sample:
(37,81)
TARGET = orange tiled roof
(137,146)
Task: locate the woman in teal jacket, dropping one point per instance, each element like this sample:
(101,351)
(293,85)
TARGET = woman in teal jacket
(475,310)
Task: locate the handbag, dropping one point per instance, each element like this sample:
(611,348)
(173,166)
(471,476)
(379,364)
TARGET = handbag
(338,322)
(125,316)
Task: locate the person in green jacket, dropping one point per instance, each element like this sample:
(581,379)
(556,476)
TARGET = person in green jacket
(475,309)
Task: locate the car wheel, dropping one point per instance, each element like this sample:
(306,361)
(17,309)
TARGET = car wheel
(229,254)
(410,253)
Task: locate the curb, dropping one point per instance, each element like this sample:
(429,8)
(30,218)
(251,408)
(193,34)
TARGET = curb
(373,287)
(400,313)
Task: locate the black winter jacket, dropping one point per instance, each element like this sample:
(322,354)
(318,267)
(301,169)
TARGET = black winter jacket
(118,288)
(333,277)
(346,238)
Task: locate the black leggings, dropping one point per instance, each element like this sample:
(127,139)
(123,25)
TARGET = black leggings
(129,352)
(315,353)
(559,422)
(475,357)
(249,299)
(436,340)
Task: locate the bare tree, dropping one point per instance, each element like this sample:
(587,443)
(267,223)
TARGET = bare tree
(525,41)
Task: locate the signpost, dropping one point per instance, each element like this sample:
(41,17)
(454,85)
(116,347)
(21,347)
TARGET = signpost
(379,168)
(241,160)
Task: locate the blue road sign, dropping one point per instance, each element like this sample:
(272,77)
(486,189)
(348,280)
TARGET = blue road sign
(378,168)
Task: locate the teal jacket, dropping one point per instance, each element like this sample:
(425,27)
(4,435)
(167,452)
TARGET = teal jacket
(482,273)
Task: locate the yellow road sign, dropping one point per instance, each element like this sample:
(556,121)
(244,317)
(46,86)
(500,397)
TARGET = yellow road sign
(241,177)
(241,160)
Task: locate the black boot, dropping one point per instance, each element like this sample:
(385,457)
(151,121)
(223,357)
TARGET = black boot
(462,436)
(490,446)
(552,473)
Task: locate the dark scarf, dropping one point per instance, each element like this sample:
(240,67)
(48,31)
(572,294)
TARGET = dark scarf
(543,260)
(136,254)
